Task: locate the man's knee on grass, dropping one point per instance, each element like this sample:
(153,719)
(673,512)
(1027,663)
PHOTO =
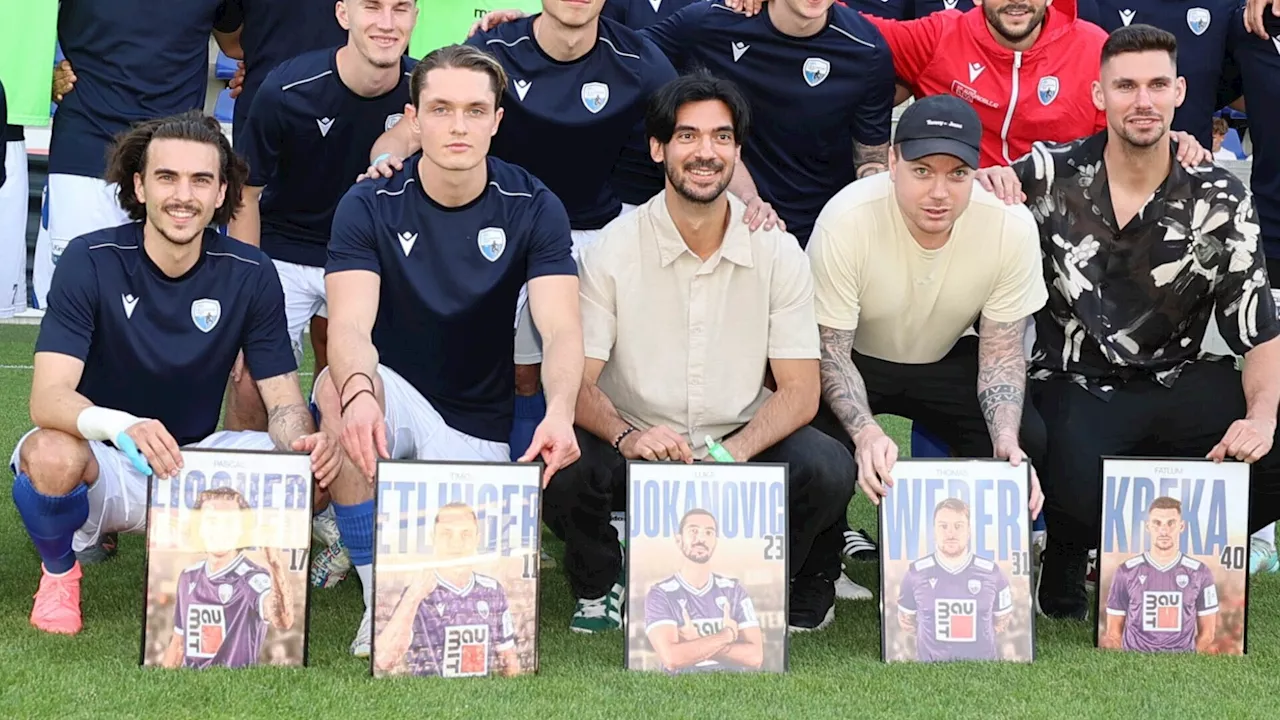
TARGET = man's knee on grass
(57,463)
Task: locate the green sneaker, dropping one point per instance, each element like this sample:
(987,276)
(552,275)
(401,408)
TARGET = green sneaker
(601,614)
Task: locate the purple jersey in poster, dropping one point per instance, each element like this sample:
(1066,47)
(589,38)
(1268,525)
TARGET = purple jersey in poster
(458,632)
(219,615)
(955,610)
(1161,604)
(668,602)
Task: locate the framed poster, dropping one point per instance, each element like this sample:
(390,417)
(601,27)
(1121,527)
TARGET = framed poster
(955,562)
(707,567)
(1173,556)
(228,544)
(455,568)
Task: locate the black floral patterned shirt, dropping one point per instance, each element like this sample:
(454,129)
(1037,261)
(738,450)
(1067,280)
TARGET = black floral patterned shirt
(1135,301)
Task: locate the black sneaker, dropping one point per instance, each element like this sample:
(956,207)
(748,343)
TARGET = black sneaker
(106,548)
(859,547)
(813,603)
(1060,586)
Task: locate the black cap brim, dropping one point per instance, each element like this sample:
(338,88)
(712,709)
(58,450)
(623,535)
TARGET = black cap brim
(916,149)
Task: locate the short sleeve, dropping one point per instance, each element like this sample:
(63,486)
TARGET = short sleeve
(907,592)
(837,276)
(1245,308)
(1207,603)
(598,298)
(1035,172)
(913,43)
(353,243)
(1020,289)
(551,240)
(1004,594)
(264,132)
(873,121)
(267,350)
(72,307)
(260,583)
(658,610)
(180,602)
(1118,598)
(504,624)
(679,32)
(744,610)
(793,331)
(229,16)
(658,70)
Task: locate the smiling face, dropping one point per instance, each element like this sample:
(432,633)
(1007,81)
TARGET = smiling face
(1139,92)
(573,13)
(1014,20)
(180,188)
(703,151)
(379,29)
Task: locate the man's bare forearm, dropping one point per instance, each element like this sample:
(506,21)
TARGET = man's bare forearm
(842,384)
(58,409)
(597,414)
(562,370)
(1002,376)
(287,415)
(870,159)
(787,410)
(742,185)
(1261,380)
(351,352)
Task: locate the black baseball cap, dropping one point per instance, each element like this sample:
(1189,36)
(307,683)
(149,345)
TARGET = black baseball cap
(940,125)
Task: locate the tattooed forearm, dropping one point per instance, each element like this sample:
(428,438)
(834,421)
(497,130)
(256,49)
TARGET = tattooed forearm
(1002,376)
(870,159)
(286,423)
(842,384)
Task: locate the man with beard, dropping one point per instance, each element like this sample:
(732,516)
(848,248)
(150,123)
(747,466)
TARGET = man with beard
(1162,600)
(955,602)
(306,139)
(1139,254)
(684,309)
(226,601)
(451,621)
(697,620)
(144,323)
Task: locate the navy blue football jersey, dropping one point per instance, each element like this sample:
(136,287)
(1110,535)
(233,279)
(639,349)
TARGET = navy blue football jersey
(306,139)
(162,347)
(1259,63)
(450,280)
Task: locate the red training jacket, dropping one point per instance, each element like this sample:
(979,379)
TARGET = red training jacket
(1041,94)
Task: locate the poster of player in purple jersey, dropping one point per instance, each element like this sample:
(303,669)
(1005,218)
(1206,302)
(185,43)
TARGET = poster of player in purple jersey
(706,564)
(1173,556)
(955,570)
(228,542)
(456,569)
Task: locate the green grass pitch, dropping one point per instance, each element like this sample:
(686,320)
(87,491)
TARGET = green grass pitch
(836,673)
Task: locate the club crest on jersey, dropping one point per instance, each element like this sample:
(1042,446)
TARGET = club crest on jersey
(392,120)
(595,95)
(816,70)
(1048,89)
(975,586)
(1182,581)
(1198,20)
(482,607)
(205,313)
(224,593)
(492,242)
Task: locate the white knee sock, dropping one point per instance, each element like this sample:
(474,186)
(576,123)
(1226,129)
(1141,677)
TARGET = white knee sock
(366,581)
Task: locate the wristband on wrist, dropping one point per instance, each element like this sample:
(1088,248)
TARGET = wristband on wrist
(352,376)
(717,451)
(352,399)
(104,424)
(381,157)
(617,442)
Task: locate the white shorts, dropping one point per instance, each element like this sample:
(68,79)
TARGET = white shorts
(118,498)
(415,431)
(73,205)
(13,231)
(528,341)
(304,299)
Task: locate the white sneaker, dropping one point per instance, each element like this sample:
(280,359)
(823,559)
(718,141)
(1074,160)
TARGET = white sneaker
(361,645)
(847,589)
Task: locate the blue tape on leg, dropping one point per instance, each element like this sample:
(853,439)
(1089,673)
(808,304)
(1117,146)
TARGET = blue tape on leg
(126,445)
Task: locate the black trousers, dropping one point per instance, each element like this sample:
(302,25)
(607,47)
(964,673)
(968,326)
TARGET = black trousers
(943,397)
(1141,418)
(578,502)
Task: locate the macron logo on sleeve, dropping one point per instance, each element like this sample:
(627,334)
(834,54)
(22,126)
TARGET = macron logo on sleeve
(130,302)
(739,49)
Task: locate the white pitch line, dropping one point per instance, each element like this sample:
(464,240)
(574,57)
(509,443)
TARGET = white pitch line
(32,367)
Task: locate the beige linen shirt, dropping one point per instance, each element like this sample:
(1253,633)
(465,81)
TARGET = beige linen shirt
(686,343)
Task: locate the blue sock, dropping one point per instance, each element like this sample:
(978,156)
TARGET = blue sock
(355,524)
(51,521)
(529,412)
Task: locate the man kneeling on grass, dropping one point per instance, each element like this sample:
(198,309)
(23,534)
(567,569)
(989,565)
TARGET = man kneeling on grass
(684,309)
(143,325)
